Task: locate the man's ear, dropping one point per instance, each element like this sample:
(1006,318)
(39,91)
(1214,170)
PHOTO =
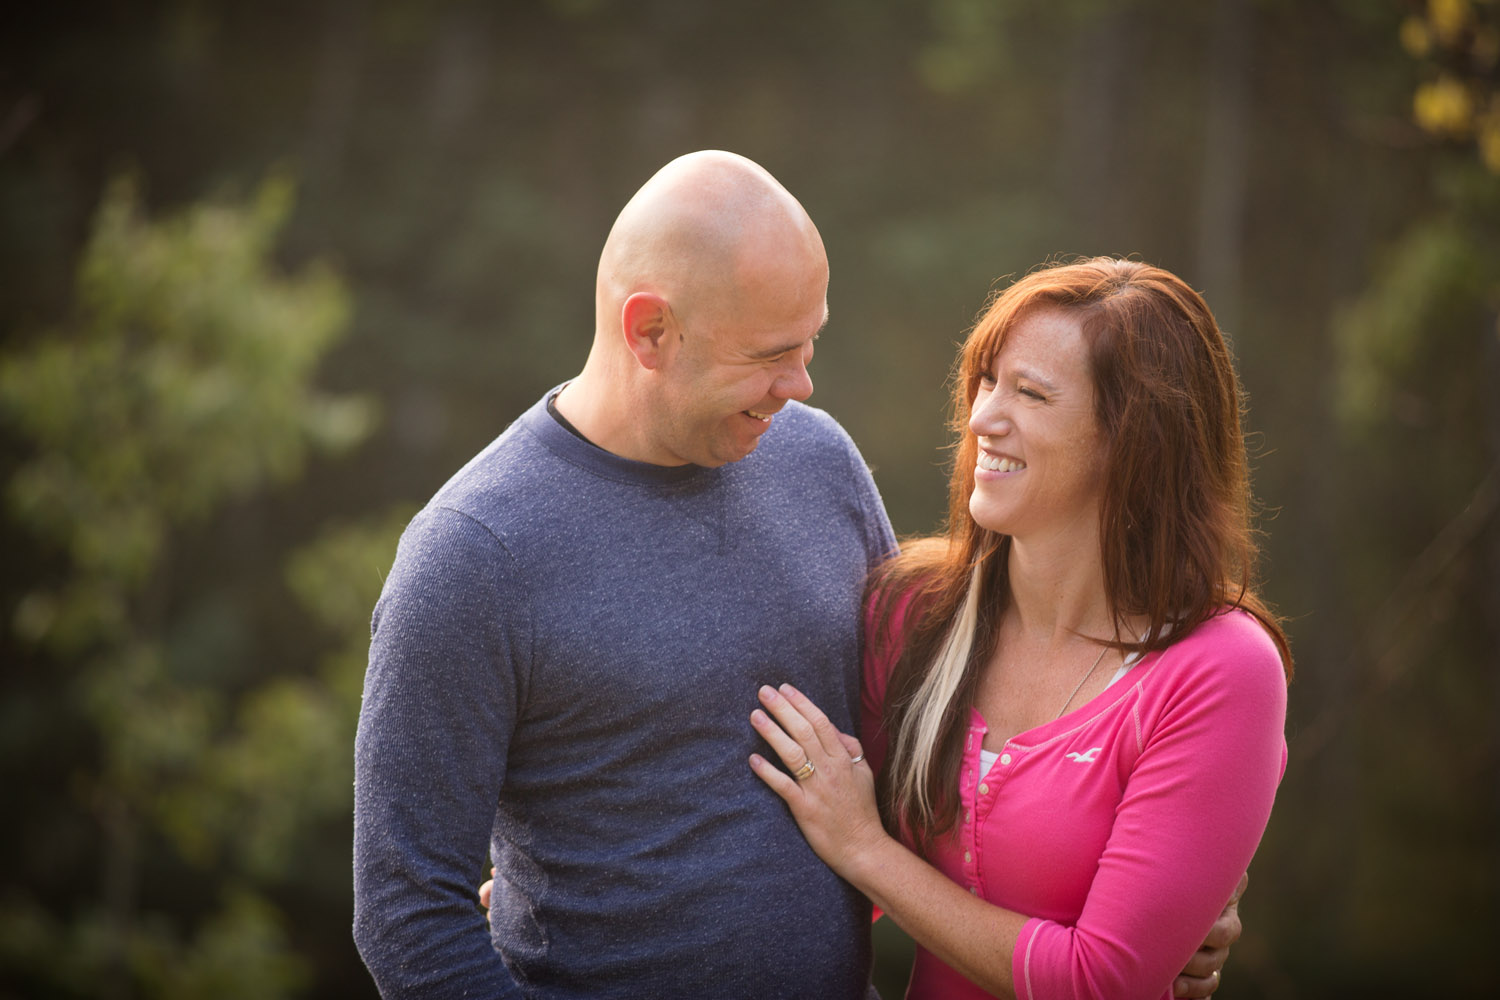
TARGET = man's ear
(646,321)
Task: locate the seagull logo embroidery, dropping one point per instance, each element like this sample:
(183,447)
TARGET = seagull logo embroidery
(1087,757)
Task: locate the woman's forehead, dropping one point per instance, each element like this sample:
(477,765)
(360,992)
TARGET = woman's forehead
(1045,339)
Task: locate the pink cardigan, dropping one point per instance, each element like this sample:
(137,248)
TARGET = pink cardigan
(1122,827)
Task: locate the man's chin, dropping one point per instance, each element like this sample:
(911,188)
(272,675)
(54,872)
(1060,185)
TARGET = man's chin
(732,454)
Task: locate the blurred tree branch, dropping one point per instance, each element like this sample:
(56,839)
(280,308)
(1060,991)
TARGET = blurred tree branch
(183,380)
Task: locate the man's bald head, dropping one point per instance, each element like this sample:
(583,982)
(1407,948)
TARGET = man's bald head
(706,230)
(712,287)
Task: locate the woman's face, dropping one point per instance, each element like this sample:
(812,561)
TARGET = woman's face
(1040,469)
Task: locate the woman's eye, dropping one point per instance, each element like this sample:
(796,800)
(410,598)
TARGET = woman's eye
(1032,394)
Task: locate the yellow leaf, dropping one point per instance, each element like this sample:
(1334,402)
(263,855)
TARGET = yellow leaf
(1415,38)
(1489,143)
(1443,106)
(1448,18)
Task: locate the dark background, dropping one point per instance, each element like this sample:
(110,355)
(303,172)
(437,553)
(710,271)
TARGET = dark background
(272,271)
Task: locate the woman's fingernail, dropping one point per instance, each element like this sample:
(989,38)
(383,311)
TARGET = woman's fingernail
(767,691)
(758,717)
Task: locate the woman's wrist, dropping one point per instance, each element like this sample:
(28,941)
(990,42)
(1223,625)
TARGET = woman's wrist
(869,867)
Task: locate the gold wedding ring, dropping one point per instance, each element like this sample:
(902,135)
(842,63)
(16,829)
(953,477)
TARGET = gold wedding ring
(805,771)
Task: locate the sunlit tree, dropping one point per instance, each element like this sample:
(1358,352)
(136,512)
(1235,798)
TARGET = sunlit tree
(183,380)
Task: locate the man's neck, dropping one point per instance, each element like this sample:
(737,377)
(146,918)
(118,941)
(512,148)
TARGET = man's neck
(565,423)
(597,408)
(583,408)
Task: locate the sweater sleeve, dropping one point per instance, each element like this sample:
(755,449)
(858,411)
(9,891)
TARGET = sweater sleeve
(440,703)
(1196,801)
(875,525)
(880,539)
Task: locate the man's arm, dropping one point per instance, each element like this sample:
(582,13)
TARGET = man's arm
(430,756)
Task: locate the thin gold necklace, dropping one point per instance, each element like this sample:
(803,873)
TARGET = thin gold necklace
(1081,681)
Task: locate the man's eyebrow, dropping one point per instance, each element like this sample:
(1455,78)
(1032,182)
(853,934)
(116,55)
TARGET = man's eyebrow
(776,352)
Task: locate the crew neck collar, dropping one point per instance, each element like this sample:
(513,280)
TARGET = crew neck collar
(579,451)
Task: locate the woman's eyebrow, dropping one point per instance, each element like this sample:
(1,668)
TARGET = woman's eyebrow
(1032,375)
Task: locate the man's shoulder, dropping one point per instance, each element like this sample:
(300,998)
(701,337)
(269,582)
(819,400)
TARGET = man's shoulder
(816,453)
(813,419)
(473,513)
(507,459)
(470,526)
(808,428)
(514,471)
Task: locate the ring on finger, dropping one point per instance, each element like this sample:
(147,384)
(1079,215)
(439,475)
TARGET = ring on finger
(805,771)
(856,760)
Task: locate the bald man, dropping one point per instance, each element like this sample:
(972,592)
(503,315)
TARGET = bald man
(567,648)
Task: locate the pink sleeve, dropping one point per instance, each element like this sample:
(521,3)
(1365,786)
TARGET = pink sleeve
(1195,802)
(880,655)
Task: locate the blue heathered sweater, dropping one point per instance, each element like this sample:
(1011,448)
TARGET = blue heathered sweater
(563,664)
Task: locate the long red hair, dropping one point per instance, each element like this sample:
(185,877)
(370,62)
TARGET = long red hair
(1177,543)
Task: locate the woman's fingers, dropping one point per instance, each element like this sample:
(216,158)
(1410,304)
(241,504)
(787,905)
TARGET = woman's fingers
(1205,962)
(803,720)
(790,750)
(794,726)
(801,736)
(778,781)
(1194,988)
(833,802)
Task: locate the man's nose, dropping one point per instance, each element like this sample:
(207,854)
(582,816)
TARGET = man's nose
(793,384)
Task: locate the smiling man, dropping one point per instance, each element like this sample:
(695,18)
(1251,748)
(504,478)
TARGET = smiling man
(570,640)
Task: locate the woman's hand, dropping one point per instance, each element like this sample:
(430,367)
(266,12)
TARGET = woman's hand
(834,805)
(833,800)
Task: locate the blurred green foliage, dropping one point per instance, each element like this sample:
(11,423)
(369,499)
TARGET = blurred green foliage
(181,382)
(200,501)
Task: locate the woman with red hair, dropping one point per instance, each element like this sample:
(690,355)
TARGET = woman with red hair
(1074,699)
